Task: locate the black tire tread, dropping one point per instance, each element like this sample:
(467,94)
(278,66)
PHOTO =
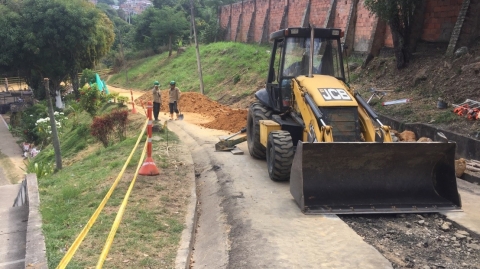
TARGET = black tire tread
(256,113)
(282,143)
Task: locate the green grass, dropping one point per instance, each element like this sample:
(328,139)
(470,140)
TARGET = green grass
(70,196)
(446,117)
(222,64)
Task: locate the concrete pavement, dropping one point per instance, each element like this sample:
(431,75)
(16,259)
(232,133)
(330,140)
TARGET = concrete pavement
(13,229)
(470,217)
(13,220)
(248,221)
(11,159)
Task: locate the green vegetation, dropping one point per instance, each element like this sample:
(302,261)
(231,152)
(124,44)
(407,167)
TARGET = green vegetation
(39,48)
(223,64)
(446,117)
(69,198)
(400,16)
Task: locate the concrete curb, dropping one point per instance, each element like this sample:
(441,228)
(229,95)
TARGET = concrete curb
(184,252)
(35,256)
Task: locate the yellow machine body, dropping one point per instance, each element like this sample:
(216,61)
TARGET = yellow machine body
(316,131)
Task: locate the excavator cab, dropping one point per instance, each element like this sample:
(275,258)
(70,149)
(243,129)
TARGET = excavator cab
(317,132)
(291,57)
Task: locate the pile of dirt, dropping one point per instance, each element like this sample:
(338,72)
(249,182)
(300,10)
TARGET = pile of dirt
(225,118)
(418,241)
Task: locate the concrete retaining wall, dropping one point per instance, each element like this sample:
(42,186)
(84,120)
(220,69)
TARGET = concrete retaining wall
(466,147)
(35,256)
(22,196)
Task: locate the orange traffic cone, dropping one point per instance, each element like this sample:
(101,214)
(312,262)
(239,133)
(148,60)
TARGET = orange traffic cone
(134,111)
(148,167)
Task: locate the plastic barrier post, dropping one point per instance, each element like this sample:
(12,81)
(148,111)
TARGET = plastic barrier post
(134,111)
(148,167)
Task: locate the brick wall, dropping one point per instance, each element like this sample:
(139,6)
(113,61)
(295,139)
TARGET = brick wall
(224,16)
(276,13)
(296,11)
(341,13)
(363,27)
(440,18)
(262,6)
(471,25)
(236,11)
(248,9)
(318,12)
(388,42)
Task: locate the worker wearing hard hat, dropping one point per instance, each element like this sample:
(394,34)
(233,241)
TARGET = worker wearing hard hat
(174,96)
(156,100)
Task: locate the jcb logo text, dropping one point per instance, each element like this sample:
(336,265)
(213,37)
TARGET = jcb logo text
(334,94)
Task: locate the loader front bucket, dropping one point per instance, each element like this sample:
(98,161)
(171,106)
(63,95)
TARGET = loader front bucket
(369,178)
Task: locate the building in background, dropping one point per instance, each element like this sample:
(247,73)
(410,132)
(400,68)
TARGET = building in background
(135,6)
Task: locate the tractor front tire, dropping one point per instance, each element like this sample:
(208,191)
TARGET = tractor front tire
(256,112)
(279,155)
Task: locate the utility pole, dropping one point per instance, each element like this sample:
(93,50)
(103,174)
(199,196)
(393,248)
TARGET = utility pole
(199,65)
(53,125)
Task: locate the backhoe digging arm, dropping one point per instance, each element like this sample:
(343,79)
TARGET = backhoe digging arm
(315,127)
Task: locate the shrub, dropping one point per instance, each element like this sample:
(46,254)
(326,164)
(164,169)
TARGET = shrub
(27,126)
(101,129)
(91,99)
(236,79)
(88,76)
(122,100)
(106,127)
(40,169)
(44,130)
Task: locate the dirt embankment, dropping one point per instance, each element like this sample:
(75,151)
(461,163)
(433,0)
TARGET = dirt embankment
(429,76)
(225,118)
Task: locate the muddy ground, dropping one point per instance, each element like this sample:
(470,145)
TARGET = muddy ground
(426,241)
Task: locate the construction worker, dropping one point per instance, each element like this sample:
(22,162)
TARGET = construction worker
(157,99)
(174,97)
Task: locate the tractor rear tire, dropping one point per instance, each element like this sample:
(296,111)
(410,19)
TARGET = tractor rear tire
(280,155)
(256,112)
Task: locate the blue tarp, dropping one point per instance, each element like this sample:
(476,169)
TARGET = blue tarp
(101,84)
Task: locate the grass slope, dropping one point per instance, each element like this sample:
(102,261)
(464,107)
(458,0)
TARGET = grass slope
(231,67)
(153,221)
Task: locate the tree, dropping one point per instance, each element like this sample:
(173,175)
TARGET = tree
(157,27)
(61,37)
(10,37)
(53,39)
(164,3)
(399,15)
(170,25)
(107,2)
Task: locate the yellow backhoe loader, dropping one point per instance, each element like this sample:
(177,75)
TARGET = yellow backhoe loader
(316,131)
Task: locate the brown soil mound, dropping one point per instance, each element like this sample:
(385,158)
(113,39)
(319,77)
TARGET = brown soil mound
(226,118)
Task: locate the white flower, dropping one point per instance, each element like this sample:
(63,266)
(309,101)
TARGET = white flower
(31,115)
